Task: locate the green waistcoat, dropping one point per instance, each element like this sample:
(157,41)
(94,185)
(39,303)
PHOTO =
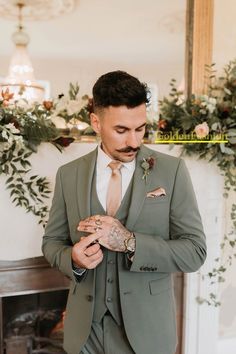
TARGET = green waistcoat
(106,282)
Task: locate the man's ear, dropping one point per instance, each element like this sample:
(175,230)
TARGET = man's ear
(95,123)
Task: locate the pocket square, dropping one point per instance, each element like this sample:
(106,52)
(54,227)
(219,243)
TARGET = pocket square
(159,192)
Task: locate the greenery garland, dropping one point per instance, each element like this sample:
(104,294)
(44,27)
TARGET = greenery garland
(23,127)
(209,120)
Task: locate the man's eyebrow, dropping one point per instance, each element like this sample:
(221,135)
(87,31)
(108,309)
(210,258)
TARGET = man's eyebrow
(142,125)
(124,127)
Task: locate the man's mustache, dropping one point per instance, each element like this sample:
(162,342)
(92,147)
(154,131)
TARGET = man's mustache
(129,149)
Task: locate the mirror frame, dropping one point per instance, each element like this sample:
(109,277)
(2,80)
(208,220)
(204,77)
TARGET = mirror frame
(198,52)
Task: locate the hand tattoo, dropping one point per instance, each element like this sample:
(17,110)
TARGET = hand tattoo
(117,235)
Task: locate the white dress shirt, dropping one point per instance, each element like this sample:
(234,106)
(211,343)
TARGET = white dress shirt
(103,174)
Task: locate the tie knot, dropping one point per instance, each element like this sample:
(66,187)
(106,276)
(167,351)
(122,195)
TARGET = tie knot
(115,165)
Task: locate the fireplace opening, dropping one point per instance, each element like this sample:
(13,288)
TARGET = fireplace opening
(33,298)
(33,323)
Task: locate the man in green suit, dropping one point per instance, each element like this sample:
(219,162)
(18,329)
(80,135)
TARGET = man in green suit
(121,296)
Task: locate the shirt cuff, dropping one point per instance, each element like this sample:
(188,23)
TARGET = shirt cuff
(78,271)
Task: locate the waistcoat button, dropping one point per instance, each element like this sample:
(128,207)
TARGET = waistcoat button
(109,299)
(89,298)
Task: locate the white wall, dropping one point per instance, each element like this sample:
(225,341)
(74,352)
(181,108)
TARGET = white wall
(21,236)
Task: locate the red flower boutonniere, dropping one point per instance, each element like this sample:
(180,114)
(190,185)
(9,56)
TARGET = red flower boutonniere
(147,164)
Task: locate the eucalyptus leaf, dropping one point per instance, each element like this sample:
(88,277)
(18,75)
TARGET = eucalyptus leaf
(231,136)
(222,147)
(229,151)
(214,126)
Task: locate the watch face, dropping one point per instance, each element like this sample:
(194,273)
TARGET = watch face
(131,244)
(130,249)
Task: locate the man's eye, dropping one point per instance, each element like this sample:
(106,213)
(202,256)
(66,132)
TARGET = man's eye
(120,131)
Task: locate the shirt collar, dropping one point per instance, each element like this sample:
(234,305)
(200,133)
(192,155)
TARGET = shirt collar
(103,160)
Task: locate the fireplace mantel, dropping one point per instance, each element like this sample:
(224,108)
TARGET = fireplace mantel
(29,276)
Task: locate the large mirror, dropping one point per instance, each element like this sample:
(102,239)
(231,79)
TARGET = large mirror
(146,39)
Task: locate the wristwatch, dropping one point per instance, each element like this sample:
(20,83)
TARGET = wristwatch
(130,244)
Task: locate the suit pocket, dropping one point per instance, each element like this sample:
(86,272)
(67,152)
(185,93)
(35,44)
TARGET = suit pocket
(157,286)
(156,200)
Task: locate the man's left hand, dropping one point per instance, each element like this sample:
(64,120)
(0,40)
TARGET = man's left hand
(113,233)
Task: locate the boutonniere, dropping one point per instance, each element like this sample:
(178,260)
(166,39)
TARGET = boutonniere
(147,165)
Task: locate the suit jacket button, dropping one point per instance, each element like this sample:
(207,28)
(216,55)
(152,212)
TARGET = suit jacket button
(90,298)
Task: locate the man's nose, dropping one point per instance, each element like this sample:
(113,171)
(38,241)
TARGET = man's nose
(133,140)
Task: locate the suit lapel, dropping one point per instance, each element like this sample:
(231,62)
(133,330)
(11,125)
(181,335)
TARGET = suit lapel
(140,188)
(84,182)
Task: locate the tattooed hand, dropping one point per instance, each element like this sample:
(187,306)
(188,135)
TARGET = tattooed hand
(110,231)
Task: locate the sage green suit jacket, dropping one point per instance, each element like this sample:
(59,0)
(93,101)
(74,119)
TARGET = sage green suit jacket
(169,238)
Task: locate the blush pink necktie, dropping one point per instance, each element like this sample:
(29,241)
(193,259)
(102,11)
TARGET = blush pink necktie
(114,188)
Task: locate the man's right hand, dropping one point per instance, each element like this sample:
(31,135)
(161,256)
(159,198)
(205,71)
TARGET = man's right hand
(85,254)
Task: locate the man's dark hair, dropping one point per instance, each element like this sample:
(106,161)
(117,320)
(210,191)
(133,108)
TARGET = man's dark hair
(118,88)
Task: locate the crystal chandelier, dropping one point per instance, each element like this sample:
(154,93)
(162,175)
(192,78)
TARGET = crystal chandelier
(21,80)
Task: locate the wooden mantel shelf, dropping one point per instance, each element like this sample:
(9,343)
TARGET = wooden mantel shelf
(30,276)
